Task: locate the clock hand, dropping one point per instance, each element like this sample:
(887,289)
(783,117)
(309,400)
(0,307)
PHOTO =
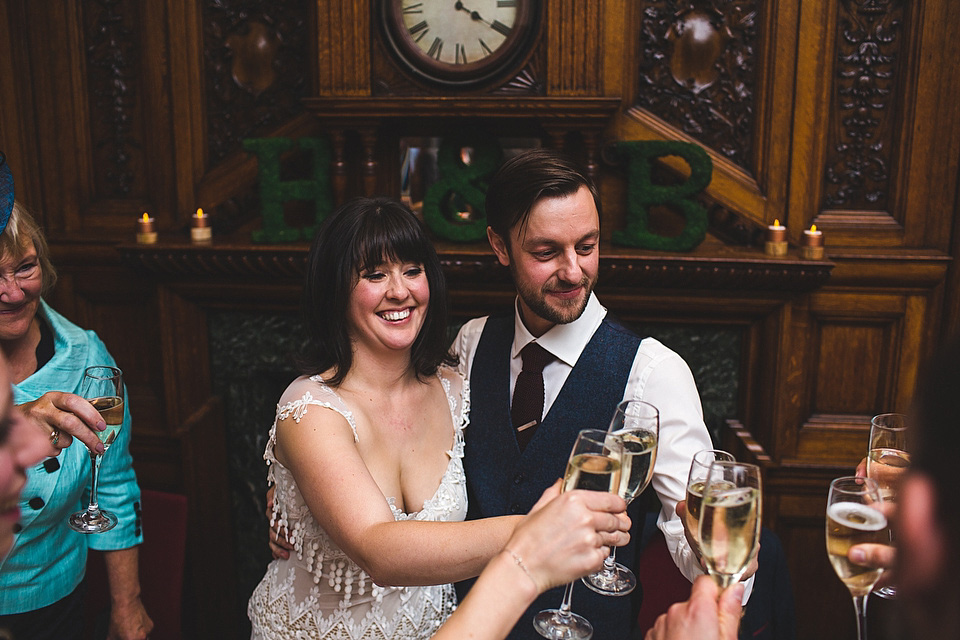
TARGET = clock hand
(474,15)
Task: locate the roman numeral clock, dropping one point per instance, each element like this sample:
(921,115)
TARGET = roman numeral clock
(458,44)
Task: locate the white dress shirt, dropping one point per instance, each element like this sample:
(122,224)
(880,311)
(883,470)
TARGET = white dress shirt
(658,376)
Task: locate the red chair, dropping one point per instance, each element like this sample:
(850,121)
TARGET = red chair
(663,584)
(164,520)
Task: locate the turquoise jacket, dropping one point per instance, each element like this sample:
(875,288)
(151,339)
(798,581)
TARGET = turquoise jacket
(48,559)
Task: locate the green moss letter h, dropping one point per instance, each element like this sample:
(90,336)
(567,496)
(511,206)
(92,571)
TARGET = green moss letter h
(274,192)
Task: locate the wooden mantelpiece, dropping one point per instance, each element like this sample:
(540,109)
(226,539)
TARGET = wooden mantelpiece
(740,270)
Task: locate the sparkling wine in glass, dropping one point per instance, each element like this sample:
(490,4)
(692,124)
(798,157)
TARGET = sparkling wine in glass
(887,461)
(103,387)
(696,478)
(854,517)
(595,465)
(638,425)
(729,529)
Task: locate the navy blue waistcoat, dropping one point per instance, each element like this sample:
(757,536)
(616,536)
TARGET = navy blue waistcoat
(501,480)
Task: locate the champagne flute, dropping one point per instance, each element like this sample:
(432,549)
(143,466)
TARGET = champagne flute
(638,425)
(729,529)
(103,387)
(594,464)
(695,480)
(887,461)
(854,517)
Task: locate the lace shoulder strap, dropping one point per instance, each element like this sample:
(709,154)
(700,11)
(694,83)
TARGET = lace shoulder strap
(312,391)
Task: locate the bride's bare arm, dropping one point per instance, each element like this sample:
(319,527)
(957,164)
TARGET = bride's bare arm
(555,544)
(346,501)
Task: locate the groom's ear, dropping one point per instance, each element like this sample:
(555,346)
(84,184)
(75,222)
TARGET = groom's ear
(922,541)
(499,246)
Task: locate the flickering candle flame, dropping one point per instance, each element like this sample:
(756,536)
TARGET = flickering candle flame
(146,223)
(812,237)
(776,232)
(200,219)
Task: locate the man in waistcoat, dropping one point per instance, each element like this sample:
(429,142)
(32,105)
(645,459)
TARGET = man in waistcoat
(544,224)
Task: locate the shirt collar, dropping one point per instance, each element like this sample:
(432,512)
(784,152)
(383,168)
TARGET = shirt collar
(565,341)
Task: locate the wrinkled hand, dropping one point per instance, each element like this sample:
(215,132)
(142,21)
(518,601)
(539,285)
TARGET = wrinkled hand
(280,547)
(129,621)
(567,536)
(703,616)
(74,416)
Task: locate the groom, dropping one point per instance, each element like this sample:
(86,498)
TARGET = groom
(544,224)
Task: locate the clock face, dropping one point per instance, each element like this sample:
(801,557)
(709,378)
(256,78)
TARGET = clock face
(458,42)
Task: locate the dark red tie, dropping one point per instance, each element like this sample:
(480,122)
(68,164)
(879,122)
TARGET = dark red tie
(527,407)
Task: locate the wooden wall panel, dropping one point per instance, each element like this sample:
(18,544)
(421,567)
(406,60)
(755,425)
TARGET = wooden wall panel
(817,360)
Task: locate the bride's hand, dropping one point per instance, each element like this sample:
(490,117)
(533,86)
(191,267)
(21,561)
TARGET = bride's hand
(280,547)
(567,536)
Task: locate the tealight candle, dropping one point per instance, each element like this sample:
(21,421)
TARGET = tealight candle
(200,230)
(146,232)
(776,240)
(811,244)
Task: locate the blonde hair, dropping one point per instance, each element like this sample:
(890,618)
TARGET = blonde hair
(21,231)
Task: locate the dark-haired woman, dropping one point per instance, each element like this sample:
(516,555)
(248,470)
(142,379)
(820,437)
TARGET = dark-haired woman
(366,447)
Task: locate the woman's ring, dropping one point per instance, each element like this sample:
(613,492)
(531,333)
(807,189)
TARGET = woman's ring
(55,437)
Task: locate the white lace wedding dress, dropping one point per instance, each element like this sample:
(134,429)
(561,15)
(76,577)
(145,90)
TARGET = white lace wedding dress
(321,594)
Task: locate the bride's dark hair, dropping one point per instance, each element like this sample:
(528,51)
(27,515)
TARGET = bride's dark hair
(361,235)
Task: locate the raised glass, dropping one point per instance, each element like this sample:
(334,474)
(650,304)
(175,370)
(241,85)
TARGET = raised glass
(103,387)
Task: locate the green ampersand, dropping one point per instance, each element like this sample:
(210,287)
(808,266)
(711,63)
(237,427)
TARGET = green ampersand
(460,185)
(642,193)
(274,192)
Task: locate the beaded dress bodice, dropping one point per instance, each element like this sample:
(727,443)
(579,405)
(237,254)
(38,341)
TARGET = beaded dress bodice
(321,594)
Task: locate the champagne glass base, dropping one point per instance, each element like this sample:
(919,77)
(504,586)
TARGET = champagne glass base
(87,521)
(618,581)
(559,625)
(888,592)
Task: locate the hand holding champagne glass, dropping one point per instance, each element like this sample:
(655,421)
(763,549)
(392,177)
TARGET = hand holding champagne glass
(103,387)
(854,517)
(594,464)
(637,423)
(729,529)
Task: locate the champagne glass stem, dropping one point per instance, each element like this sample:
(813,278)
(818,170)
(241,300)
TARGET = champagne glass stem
(860,604)
(610,561)
(564,611)
(95,460)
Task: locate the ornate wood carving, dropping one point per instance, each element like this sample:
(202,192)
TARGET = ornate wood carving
(258,67)
(112,64)
(697,70)
(738,272)
(862,138)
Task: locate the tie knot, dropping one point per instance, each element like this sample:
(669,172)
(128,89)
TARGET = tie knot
(535,357)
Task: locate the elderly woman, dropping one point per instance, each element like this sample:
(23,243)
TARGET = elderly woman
(41,593)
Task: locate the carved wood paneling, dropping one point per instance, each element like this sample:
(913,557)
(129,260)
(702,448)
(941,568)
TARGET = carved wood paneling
(114,92)
(861,146)
(697,71)
(258,65)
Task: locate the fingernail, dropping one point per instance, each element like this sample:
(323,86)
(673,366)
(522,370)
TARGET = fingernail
(101,425)
(100,448)
(858,556)
(738,590)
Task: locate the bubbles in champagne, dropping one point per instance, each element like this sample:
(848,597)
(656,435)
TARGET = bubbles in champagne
(593,472)
(730,529)
(848,524)
(639,456)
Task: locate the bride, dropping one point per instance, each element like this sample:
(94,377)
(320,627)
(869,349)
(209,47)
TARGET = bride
(366,447)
